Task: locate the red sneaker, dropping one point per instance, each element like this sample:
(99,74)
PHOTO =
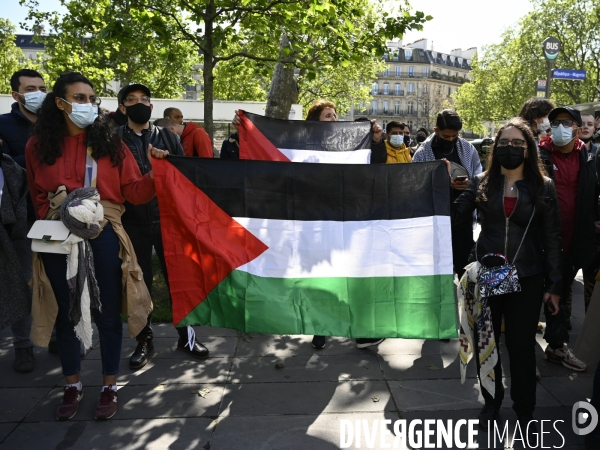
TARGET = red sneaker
(70,403)
(107,404)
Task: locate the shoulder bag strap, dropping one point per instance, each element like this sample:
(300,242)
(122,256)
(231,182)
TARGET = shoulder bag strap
(523,238)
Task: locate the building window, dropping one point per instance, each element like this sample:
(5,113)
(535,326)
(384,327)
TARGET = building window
(386,107)
(411,72)
(425,72)
(395,55)
(375,89)
(409,107)
(408,54)
(398,71)
(397,108)
(386,88)
(411,88)
(374,106)
(398,89)
(425,107)
(410,124)
(386,72)
(449,91)
(425,88)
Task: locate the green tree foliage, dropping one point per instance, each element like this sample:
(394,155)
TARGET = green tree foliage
(226,30)
(249,80)
(504,75)
(11,56)
(115,41)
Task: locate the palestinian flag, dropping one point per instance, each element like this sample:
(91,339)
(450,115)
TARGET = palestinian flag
(266,139)
(326,249)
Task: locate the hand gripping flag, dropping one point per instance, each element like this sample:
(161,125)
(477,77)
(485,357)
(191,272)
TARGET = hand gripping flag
(266,139)
(326,249)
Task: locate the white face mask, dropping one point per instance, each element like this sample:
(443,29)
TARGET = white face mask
(33,100)
(82,115)
(544,125)
(561,135)
(396,140)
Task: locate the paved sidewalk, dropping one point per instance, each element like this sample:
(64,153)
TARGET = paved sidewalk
(265,392)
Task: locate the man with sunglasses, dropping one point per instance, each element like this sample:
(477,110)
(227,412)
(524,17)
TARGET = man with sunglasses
(573,170)
(142,222)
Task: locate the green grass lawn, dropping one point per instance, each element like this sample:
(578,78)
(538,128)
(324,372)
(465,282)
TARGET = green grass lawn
(160,295)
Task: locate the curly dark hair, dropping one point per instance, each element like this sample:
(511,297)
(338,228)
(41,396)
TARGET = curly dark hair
(314,112)
(50,128)
(535,108)
(533,169)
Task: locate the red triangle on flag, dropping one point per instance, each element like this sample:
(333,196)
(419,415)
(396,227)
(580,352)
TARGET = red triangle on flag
(202,243)
(254,145)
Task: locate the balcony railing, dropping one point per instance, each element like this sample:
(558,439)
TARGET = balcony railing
(399,93)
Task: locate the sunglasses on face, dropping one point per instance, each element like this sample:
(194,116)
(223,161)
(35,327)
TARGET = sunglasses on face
(566,122)
(513,142)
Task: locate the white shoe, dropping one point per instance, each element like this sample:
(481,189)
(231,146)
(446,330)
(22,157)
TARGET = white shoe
(565,357)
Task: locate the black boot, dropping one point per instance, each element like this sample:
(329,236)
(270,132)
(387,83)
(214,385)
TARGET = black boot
(198,350)
(143,351)
(488,415)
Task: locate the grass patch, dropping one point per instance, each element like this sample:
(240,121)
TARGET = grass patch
(160,295)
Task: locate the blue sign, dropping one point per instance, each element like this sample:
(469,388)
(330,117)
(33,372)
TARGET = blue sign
(569,74)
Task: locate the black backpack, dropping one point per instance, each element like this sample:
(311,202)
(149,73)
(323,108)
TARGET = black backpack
(167,136)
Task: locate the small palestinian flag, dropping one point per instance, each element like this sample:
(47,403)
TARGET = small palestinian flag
(266,139)
(325,249)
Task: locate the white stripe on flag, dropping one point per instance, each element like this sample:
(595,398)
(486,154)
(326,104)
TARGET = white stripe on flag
(383,248)
(362,156)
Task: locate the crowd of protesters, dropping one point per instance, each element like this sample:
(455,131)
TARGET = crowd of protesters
(536,205)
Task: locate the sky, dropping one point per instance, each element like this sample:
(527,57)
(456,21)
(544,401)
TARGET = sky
(456,24)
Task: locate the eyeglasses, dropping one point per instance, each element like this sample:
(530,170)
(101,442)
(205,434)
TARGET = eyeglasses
(82,100)
(513,142)
(566,122)
(133,100)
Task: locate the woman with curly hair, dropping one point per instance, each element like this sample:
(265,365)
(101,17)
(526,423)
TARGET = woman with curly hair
(535,112)
(72,147)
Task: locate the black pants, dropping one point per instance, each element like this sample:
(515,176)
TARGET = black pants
(462,244)
(521,312)
(556,332)
(143,239)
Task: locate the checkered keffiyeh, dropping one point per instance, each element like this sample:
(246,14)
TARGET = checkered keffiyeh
(476,319)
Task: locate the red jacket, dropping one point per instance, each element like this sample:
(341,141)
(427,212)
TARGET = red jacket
(566,179)
(196,142)
(115,184)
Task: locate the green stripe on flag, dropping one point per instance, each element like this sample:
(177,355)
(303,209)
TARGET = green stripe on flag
(407,307)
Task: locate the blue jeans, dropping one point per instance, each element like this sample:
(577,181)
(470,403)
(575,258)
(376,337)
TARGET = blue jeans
(21,329)
(107,265)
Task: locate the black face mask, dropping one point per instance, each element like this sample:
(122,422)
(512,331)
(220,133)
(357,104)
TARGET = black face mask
(139,113)
(407,140)
(421,138)
(444,144)
(510,157)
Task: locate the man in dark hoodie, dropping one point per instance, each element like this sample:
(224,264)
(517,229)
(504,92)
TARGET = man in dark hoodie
(142,222)
(28,91)
(573,170)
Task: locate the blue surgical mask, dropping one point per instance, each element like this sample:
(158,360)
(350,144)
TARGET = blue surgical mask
(33,100)
(396,140)
(82,115)
(562,135)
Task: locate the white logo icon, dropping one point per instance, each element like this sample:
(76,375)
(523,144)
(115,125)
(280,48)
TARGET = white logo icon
(580,417)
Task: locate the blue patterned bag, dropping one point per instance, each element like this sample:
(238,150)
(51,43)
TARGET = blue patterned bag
(502,279)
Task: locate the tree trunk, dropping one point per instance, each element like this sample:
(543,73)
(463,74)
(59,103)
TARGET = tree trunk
(207,72)
(284,90)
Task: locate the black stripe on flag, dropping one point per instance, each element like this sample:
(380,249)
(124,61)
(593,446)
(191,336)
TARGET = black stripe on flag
(310,135)
(337,192)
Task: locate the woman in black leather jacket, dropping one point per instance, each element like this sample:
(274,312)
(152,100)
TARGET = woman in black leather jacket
(505,196)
